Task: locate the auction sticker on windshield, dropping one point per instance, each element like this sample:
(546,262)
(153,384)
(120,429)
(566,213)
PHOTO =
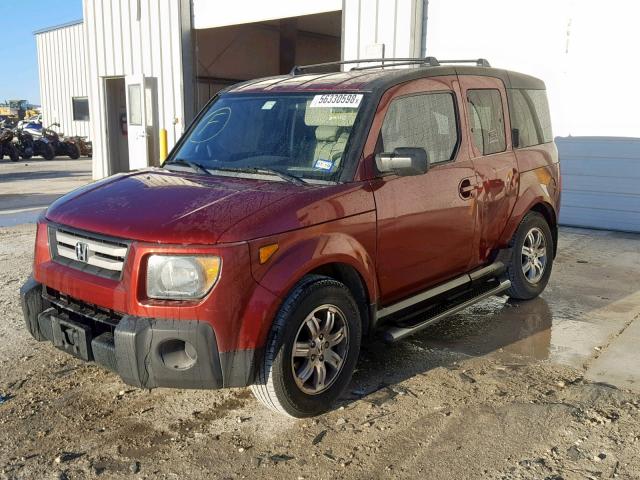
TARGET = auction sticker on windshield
(343,100)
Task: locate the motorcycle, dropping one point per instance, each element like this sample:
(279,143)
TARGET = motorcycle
(23,141)
(85,146)
(42,145)
(6,145)
(61,145)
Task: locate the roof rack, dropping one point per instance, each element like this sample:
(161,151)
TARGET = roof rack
(430,61)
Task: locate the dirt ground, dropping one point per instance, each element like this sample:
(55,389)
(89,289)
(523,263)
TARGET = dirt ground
(503,391)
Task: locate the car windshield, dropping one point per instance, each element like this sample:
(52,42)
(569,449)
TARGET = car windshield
(295,136)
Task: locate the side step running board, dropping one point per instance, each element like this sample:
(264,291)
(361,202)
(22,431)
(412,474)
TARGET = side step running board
(395,333)
(493,270)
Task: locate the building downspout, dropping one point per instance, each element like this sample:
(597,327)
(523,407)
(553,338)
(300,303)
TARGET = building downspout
(187,56)
(423,33)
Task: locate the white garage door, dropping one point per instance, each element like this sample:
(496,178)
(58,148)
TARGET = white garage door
(600,182)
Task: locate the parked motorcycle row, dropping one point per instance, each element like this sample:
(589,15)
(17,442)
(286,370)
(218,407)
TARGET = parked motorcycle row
(31,139)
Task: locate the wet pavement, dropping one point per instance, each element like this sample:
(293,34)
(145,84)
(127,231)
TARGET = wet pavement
(29,186)
(587,318)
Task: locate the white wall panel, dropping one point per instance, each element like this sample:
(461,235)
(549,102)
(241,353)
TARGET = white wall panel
(209,14)
(128,37)
(581,49)
(63,75)
(369,24)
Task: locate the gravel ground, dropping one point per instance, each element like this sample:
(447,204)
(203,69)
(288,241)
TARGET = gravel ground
(413,410)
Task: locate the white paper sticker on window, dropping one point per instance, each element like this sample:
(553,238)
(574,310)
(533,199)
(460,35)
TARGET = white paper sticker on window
(341,100)
(268,105)
(443,123)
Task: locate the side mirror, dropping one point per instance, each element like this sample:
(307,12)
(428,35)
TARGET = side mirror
(404,162)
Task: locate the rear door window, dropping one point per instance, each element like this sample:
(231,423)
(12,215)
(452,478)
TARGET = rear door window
(486,119)
(427,121)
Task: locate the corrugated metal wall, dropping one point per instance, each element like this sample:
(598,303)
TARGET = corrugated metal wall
(600,182)
(136,37)
(396,24)
(63,75)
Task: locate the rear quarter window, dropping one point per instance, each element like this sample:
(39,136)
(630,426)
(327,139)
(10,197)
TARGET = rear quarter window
(530,116)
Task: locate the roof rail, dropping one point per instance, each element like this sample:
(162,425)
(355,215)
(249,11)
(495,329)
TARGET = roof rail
(386,62)
(431,61)
(480,62)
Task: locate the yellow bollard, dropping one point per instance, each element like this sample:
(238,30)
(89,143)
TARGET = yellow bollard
(163,146)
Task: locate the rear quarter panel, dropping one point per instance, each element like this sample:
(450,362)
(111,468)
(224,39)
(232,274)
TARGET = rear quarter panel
(539,184)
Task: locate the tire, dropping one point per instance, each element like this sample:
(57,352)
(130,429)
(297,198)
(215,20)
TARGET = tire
(279,384)
(74,151)
(13,154)
(49,153)
(525,286)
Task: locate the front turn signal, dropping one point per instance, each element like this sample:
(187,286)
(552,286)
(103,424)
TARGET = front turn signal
(267,251)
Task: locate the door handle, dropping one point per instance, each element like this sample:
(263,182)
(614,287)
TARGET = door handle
(466,188)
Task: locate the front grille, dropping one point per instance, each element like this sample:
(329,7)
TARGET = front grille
(89,252)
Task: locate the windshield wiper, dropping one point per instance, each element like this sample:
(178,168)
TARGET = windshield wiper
(269,171)
(196,167)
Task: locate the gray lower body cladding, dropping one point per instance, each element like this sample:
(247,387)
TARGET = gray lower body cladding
(144,352)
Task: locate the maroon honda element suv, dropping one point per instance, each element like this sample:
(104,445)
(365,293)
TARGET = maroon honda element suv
(297,215)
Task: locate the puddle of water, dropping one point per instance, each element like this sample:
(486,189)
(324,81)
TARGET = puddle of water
(495,326)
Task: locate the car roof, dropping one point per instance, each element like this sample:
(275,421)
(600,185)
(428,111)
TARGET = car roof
(375,79)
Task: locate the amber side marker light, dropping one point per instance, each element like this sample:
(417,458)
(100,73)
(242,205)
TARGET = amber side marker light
(267,251)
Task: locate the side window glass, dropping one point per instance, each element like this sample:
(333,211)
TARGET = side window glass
(541,107)
(522,119)
(427,121)
(487,120)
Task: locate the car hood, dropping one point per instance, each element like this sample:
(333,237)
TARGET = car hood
(161,206)
(167,207)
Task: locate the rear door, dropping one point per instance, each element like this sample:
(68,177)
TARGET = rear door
(426,223)
(492,156)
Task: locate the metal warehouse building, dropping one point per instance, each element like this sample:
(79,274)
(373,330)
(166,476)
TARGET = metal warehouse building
(132,68)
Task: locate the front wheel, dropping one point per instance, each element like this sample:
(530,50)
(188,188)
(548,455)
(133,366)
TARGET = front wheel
(13,153)
(312,349)
(531,259)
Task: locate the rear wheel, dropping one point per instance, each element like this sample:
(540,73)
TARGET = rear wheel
(531,258)
(73,150)
(312,349)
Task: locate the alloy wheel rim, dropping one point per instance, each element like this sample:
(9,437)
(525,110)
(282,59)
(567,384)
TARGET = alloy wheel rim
(534,255)
(320,349)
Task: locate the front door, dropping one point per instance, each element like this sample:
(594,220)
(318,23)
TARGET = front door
(138,122)
(426,223)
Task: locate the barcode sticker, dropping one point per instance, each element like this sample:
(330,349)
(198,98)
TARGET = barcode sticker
(342,100)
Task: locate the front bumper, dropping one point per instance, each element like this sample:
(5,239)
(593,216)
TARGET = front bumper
(144,352)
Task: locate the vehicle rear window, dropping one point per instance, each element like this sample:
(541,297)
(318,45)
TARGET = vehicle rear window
(487,120)
(427,121)
(530,116)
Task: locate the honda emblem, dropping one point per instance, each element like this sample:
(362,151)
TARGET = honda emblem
(82,252)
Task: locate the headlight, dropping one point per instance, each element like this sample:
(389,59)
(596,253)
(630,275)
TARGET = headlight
(181,277)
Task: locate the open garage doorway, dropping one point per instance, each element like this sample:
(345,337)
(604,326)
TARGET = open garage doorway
(231,54)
